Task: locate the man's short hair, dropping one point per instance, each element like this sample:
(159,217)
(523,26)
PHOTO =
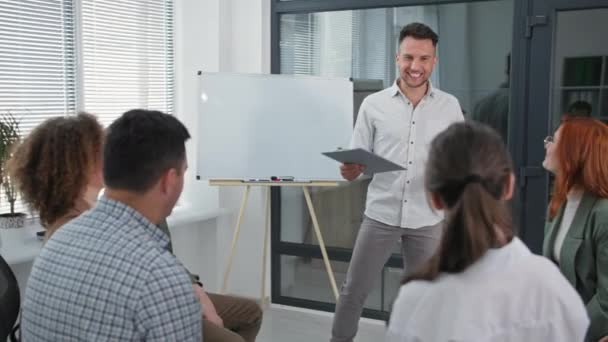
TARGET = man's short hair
(140,146)
(418,31)
(580,108)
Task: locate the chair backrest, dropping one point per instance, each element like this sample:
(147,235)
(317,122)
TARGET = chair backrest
(10,300)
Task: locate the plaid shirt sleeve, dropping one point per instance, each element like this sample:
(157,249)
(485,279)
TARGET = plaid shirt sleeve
(169,309)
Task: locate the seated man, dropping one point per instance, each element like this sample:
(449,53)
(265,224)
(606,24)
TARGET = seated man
(107,275)
(225,318)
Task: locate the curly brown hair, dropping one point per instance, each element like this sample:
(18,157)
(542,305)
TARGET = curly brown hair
(52,166)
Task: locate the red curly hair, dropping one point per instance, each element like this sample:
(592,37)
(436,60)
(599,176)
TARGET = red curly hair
(581,152)
(52,166)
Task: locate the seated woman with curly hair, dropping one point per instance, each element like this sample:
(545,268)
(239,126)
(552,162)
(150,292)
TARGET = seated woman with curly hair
(58,168)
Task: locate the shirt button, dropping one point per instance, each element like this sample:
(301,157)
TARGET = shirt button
(408,182)
(404,201)
(410,163)
(413,122)
(412,143)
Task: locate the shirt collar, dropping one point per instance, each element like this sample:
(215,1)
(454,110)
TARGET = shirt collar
(127,213)
(505,256)
(395,90)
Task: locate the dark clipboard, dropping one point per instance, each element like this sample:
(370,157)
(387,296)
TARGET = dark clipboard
(373,163)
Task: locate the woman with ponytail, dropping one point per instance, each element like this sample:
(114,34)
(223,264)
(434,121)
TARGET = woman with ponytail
(576,234)
(482,283)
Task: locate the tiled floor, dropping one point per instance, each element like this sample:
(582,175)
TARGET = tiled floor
(286,324)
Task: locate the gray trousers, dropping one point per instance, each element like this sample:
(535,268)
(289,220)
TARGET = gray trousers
(374,245)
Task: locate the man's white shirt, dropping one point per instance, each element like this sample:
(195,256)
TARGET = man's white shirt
(389,126)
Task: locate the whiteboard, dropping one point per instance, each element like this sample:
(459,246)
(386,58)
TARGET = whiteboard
(253,126)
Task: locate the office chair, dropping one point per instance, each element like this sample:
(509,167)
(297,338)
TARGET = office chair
(9,301)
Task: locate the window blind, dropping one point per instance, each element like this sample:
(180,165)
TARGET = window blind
(37,60)
(37,64)
(338,44)
(127,56)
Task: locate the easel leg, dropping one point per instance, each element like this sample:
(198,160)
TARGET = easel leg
(315,224)
(235,237)
(265,251)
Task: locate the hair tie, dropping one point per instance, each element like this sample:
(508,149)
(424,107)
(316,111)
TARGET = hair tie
(452,190)
(472,178)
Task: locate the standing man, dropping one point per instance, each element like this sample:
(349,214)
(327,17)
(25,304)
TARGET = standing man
(398,124)
(108,275)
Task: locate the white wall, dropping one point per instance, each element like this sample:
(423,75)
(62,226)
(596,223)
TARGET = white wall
(226,36)
(196,33)
(248,52)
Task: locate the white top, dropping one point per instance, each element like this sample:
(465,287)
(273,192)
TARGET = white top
(389,126)
(574,199)
(509,294)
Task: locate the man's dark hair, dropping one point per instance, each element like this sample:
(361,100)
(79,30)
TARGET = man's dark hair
(418,31)
(580,108)
(140,146)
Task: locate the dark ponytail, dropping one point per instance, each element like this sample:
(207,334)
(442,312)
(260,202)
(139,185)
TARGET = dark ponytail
(469,168)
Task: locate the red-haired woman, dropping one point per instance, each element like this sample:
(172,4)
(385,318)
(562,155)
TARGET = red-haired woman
(576,234)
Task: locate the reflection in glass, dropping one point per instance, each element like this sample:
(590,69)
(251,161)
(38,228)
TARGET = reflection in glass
(339,211)
(493,109)
(306,278)
(582,71)
(603,115)
(474,39)
(580,66)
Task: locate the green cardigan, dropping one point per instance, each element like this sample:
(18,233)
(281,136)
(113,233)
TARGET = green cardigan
(584,258)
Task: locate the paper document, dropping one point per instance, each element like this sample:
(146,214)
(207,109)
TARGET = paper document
(373,163)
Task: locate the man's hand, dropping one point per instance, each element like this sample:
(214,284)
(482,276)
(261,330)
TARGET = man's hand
(209,312)
(351,171)
(603,339)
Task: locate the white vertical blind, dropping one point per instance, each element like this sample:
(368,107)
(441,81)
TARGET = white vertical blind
(298,55)
(37,60)
(374,45)
(125,51)
(358,43)
(37,64)
(127,56)
(338,44)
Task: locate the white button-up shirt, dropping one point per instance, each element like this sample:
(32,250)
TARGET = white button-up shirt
(389,126)
(509,294)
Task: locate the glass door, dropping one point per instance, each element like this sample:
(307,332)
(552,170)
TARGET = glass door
(567,73)
(360,43)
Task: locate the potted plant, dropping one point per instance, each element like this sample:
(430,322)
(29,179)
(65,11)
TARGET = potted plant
(10,135)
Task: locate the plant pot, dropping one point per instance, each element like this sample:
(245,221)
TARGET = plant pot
(11,221)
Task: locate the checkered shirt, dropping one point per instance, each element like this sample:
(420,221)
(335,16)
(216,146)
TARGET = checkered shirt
(107,275)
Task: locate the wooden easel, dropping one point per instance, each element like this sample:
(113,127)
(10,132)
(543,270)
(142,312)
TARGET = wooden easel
(268,184)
